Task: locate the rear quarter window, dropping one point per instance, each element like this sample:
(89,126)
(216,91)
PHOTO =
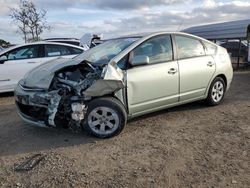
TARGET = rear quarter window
(210,48)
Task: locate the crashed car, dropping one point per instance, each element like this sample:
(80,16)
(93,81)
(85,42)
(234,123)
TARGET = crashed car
(124,78)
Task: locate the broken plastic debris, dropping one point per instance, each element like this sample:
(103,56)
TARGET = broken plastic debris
(30,163)
(78,111)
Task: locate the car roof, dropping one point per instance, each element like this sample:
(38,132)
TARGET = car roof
(48,39)
(144,34)
(63,40)
(42,42)
(152,34)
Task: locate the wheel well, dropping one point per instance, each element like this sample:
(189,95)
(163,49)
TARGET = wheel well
(113,96)
(223,77)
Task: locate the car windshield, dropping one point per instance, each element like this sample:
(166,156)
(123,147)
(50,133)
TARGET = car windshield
(103,53)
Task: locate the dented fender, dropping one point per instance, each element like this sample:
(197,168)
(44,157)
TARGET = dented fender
(111,82)
(103,87)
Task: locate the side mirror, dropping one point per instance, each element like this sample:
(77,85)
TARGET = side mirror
(139,60)
(3,59)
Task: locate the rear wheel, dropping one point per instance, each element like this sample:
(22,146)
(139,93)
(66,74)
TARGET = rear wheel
(106,117)
(216,92)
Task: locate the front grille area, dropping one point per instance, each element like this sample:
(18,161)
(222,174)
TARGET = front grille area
(38,113)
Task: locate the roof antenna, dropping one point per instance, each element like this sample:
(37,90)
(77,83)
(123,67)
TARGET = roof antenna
(179,27)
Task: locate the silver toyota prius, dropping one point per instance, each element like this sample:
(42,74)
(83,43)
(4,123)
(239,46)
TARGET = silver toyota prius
(123,78)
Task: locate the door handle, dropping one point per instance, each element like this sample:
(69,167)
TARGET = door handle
(210,64)
(31,62)
(172,71)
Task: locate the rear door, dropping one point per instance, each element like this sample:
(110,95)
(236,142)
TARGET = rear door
(152,86)
(19,62)
(195,67)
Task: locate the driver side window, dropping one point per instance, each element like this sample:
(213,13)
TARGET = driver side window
(26,52)
(158,49)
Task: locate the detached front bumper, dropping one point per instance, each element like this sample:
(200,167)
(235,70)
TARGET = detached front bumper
(30,107)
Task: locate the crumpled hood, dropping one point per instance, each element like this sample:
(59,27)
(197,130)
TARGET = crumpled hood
(41,76)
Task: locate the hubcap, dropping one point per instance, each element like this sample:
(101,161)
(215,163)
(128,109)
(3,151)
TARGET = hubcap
(218,91)
(103,120)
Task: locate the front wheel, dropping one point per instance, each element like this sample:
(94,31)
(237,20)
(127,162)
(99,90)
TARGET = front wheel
(216,92)
(105,117)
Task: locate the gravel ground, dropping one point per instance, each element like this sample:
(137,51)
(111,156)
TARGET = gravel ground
(6,99)
(187,146)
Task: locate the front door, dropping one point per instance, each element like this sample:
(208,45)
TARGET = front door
(155,85)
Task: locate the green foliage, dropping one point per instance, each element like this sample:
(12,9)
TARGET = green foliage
(4,43)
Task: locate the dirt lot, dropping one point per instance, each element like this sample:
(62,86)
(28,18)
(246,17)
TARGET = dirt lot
(188,146)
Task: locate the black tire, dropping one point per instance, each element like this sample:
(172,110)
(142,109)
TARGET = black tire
(108,103)
(210,99)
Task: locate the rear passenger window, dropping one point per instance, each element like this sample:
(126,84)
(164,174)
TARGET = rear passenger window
(158,49)
(188,47)
(52,50)
(210,48)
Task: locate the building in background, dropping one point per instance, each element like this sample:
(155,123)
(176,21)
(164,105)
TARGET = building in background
(234,35)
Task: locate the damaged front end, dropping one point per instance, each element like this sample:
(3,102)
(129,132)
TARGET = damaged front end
(64,102)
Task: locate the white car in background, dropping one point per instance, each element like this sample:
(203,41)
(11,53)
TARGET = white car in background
(16,61)
(1,48)
(87,41)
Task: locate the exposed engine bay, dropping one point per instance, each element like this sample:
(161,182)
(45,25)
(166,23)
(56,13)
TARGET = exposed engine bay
(66,101)
(76,79)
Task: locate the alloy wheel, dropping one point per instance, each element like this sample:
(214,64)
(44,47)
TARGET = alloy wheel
(218,91)
(103,120)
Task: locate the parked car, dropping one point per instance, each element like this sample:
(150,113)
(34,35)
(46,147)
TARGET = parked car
(233,48)
(87,40)
(124,78)
(16,61)
(72,41)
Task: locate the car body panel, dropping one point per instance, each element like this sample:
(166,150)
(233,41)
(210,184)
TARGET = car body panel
(158,108)
(196,74)
(12,71)
(143,82)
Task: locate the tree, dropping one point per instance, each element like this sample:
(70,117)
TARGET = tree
(32,22)
(4,43)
